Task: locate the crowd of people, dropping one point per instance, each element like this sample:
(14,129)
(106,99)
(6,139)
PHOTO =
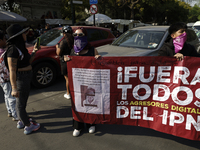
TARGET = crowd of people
(15,81)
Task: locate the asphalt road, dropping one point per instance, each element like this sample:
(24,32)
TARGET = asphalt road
(48,107)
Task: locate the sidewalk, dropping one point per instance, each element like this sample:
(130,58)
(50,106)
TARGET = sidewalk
(49,108)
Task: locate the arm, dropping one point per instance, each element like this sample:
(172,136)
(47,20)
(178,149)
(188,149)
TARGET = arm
(59,48)
(35,49)
(12,64)
(96,54)
(162,52)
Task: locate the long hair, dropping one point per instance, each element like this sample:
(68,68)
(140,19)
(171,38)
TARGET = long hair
(70,40)
(19,42)
(2,34)
(88,46)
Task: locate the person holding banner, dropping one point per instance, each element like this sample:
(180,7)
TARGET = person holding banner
(82,48)
(64,48)
(176,45)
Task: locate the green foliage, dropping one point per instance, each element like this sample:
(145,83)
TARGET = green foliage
(80,10)
(194,14)
(161,11)
(148,11)
(66,10)
(10,5)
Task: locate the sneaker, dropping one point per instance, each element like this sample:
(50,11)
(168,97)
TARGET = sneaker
(67,96)
(9,114)
(76,132)
(92,129)
(20,124)
(31,128)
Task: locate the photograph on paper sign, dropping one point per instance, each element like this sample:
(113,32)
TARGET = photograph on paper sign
(92,90)
(88,97)
(92,102)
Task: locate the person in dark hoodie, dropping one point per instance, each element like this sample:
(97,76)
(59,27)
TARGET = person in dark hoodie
(176,45)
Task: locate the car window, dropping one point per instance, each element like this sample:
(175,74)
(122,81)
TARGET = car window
(104,34)
(50,38)
(140,39)
(196,27)
(191,35)
(94,35)
(198,34)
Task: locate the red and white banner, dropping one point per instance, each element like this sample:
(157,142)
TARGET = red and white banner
(160,93)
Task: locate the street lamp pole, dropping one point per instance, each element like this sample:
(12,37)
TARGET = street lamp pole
(72,11)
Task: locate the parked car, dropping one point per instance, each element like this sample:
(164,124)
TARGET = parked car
(46,65)
(196,25)
(190,24)
(143,41)
(198,34)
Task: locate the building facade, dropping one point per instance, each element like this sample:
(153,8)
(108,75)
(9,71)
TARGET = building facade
(40,9)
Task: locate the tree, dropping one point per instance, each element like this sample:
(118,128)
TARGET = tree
(110,8)
(160,11)
(79,10)
(11,5)
(177,11)
(157,11)
(194,14)
(130,4)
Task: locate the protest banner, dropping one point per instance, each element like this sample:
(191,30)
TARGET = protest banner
(160,93)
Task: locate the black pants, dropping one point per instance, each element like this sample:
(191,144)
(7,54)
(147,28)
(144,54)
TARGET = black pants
(23,86)
(80,125)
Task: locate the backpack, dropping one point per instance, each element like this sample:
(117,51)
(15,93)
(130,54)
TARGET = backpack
(4,72)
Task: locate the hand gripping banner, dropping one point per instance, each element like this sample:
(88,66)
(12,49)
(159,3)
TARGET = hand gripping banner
(160,93)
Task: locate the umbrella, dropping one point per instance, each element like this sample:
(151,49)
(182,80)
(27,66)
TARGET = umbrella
(99,18)
(11,16)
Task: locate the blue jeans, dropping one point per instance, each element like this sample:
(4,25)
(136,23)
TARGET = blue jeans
(10,101)
(23,86)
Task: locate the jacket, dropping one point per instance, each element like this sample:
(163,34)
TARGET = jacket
(168,49)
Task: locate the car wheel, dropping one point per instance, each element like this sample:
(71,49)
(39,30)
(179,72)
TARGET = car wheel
(44,74)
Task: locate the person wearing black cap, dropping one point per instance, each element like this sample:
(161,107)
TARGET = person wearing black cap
(64,48)
(19,64)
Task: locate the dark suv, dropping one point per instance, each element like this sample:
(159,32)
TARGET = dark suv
(46,65)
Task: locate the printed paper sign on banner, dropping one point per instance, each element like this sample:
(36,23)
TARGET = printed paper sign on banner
(92,90)
(160,93)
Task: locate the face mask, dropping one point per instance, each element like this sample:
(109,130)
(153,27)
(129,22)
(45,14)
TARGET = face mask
(80,43)
(179,42)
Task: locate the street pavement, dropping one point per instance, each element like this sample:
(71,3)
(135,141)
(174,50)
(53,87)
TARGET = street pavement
(49,108)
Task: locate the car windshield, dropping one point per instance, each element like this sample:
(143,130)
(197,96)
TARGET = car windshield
(196,27)
(50,38)
(140,39)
